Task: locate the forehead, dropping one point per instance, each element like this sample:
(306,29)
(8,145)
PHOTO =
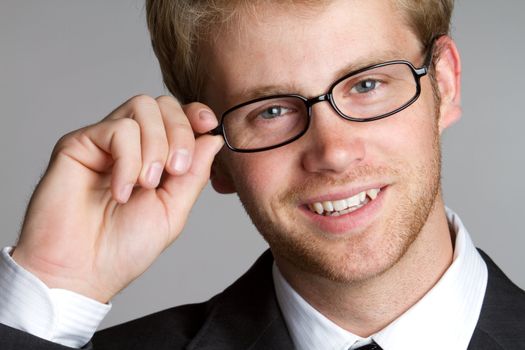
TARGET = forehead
(290,49)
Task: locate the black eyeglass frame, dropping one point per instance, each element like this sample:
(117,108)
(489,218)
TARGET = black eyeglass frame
(417,73)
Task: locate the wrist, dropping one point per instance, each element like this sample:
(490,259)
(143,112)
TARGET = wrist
(55,276)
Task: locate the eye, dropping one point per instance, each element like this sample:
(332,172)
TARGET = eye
(364,86)
(274,112)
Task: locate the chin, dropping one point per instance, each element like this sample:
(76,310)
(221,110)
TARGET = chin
(356,259)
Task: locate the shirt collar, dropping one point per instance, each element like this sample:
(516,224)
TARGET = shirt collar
(444,318)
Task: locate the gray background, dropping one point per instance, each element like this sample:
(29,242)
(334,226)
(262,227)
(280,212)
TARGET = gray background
(65,64)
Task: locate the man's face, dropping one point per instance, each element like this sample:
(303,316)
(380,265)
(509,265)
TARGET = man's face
(281,49)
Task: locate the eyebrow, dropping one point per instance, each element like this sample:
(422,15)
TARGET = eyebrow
(286,89)
(389,55)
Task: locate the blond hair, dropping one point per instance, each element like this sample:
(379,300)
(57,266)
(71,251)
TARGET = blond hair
(178,28)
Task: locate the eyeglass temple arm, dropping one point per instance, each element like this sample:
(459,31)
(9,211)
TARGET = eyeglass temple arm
(432,51)
(216,131)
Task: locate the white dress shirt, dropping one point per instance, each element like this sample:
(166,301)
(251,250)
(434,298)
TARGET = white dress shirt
(445,318)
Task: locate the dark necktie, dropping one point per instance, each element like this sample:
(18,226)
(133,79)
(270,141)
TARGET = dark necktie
(371,346)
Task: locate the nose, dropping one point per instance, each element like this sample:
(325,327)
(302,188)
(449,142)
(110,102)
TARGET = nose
(333,144)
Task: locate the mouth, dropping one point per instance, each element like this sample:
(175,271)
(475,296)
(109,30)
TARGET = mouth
(338,207)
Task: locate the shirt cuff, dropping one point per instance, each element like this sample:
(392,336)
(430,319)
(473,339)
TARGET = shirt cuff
(57,315)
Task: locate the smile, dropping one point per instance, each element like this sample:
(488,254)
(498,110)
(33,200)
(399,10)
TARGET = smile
(344,206)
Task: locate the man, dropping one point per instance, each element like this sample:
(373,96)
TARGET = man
(332,113)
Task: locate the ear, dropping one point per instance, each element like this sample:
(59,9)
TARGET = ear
(448,78)
(220,177)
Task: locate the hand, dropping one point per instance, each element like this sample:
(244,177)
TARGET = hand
(102,213)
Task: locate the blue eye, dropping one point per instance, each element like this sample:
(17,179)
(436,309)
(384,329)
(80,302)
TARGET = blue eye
(365,86)
(274,112)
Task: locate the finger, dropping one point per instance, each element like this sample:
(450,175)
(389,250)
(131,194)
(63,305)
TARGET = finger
(182,191)
(121,139)
(146,112)
(201,117)
(180,135)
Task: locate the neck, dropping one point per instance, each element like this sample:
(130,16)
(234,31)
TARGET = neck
(366,307)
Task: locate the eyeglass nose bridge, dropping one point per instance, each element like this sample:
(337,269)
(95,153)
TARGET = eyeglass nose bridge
(328,97)
(310,102)
(321,98)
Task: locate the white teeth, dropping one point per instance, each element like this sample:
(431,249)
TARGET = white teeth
(328,206)
(344,206)
(372,193)
(355,200)
(340,205)
(318,207)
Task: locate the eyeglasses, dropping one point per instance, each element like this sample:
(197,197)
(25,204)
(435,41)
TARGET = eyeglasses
(364,95)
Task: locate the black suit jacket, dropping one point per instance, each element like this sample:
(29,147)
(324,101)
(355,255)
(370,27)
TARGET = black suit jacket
(246,316)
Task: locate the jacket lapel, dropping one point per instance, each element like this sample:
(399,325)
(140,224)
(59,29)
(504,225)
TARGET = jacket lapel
(246,315)
(501,323)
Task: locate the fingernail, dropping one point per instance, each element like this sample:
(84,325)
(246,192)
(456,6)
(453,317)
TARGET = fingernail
(125,193)
(207,116)
(180,160)
(154,173)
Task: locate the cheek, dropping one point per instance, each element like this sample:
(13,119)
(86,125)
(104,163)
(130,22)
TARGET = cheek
(410,136)
(261,176)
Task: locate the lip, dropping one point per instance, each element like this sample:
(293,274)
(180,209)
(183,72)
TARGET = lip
(348,223)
